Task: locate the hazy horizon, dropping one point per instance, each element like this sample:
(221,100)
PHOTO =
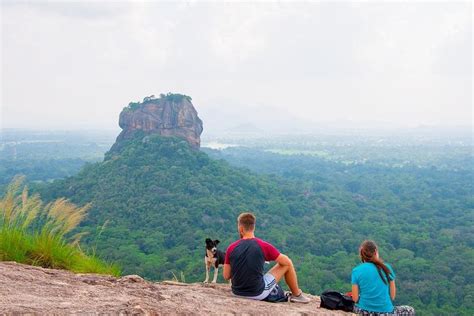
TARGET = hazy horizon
(276,66)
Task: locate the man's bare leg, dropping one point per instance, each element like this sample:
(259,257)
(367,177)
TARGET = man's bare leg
(279,271)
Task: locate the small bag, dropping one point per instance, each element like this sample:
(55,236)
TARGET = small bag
(335,300)
(277,295)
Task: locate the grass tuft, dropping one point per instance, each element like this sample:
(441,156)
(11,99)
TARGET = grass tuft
(34,233)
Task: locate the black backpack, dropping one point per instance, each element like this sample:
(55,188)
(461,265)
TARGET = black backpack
(336,300)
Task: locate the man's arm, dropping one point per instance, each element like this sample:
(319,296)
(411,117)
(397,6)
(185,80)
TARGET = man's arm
(227,272)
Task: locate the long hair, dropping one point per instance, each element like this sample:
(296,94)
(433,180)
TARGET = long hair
(367,254)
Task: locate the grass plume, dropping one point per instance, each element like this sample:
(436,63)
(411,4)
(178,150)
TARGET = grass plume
(34,233)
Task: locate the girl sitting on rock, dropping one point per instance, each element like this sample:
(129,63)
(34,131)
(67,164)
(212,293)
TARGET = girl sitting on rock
(373,285)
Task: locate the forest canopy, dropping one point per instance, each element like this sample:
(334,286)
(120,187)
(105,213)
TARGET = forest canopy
(161,200)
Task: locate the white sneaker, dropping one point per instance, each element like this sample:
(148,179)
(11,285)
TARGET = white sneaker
(299,299)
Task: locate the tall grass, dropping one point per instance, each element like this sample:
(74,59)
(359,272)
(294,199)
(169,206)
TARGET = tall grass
(37,234)
(182,278)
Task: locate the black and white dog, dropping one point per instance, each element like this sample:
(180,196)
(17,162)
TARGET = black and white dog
(214,257)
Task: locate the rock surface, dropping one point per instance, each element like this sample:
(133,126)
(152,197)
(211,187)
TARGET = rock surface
(163,117)
(33,290)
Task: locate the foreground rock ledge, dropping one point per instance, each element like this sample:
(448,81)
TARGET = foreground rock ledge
(35,290)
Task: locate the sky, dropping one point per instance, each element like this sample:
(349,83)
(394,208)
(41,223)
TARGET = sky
(280,65)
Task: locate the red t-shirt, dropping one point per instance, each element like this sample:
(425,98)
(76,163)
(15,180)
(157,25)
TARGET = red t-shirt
(247,259)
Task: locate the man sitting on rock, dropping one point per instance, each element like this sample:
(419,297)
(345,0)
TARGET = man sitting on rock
(245,260)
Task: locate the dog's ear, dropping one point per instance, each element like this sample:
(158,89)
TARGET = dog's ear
(216,242)
(208,240)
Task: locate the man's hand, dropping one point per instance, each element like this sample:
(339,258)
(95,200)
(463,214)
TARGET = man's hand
(227,272)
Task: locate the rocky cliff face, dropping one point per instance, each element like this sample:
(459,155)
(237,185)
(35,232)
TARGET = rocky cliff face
(38,291)
(169,115)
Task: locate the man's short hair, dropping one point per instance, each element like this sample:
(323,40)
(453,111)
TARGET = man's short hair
(247,221)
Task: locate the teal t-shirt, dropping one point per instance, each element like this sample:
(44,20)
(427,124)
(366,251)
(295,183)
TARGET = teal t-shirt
(374,294)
